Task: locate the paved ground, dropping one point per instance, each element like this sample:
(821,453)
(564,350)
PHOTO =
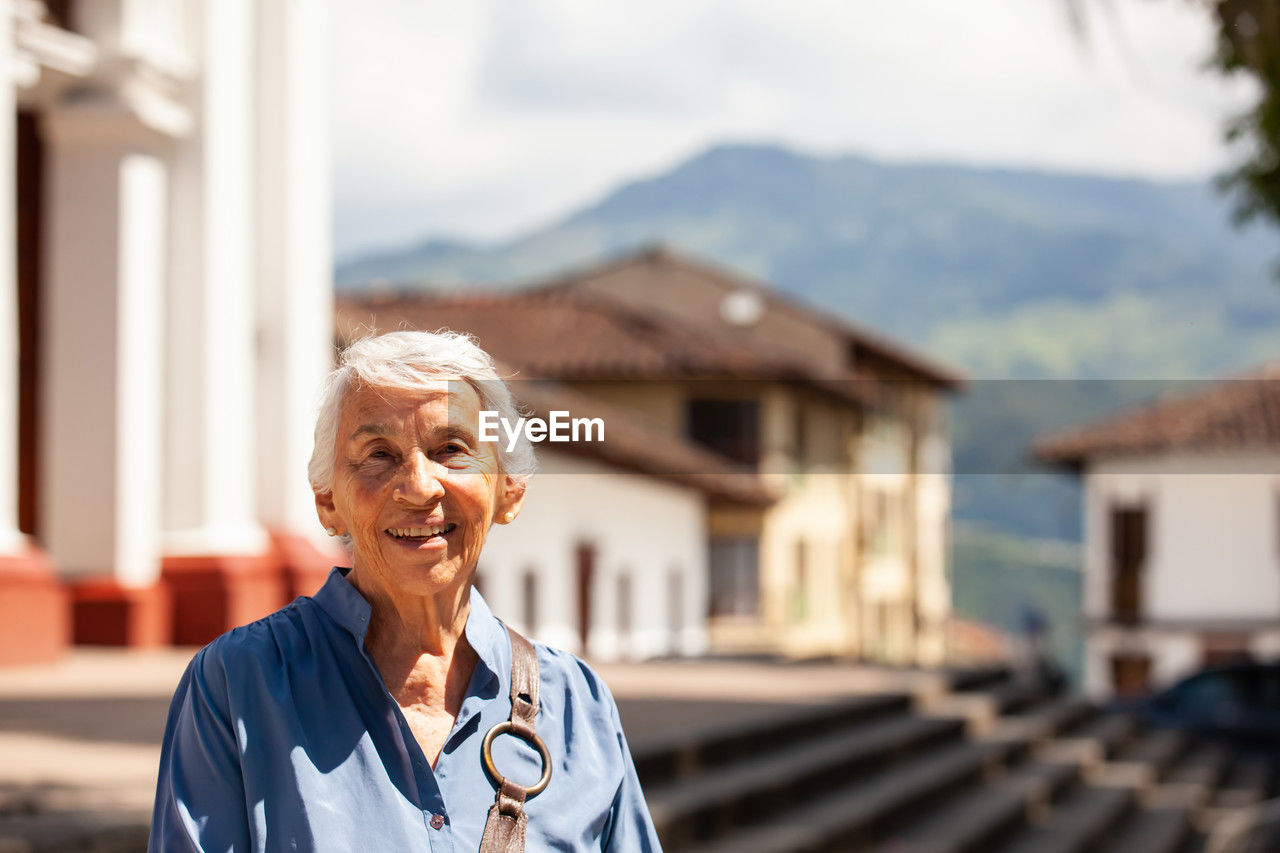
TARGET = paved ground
(82,736)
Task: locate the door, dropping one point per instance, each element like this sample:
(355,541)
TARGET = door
(585,571)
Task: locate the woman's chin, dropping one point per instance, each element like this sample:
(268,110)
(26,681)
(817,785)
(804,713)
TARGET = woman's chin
(423,577)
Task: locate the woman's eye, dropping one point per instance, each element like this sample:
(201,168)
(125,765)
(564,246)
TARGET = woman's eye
(379,454)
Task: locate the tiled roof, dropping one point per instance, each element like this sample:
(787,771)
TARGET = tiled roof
(565,336)
(1229,414)
(869,342)
(536,337)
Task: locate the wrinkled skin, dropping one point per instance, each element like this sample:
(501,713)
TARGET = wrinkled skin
(411,460)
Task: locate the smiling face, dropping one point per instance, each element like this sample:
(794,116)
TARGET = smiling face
(415,488)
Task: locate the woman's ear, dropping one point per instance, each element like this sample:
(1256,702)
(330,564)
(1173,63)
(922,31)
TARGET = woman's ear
(328,512)
(509,501)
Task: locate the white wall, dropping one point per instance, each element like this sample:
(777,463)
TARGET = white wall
(1213,557)
(1213,547)
(637,524)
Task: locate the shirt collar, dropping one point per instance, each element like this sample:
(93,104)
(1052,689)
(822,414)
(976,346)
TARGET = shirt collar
(344,603)
(347,607)
(488,637)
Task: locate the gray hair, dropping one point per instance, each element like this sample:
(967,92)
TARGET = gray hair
(410,361)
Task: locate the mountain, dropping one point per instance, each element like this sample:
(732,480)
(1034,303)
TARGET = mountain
(1006,272)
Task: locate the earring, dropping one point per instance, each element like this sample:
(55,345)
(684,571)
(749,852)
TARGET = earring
(509,516)
(332,531)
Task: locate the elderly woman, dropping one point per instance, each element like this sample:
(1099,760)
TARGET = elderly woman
(392,711)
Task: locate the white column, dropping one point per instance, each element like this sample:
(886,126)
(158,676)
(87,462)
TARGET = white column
(10,539)
(209,450)
(294,266)
(104,295)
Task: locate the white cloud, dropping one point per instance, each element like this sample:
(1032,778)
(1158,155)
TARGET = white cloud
(487,117)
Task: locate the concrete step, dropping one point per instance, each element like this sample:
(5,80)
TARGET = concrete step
(1190,783)
(1150,830)
(1246,782)
(1160,748)
(766,784)
(1045,721)
(1080,822)
(852,816)
(986,709)
(715,743)
(1196,842)
(1205,765)
(1017,695)
(967,679)
(1144,761)
(1125,799)
(976,820)
(1092,743)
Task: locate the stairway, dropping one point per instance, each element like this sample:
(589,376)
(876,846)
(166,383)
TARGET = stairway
(995,764)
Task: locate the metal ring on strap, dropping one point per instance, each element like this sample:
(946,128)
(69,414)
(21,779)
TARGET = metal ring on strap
(533,740)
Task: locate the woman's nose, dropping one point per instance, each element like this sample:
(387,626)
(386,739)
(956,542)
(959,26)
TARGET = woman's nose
(420,481)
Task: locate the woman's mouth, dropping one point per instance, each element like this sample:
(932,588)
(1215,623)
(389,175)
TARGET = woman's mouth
(422,534)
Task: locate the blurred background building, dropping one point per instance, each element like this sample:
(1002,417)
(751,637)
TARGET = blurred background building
(844,427)
(1182,533)
(166,298)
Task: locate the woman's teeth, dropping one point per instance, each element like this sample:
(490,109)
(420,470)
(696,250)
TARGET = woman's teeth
(421,532)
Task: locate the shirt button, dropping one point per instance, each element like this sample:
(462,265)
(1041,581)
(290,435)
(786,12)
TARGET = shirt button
(437,821)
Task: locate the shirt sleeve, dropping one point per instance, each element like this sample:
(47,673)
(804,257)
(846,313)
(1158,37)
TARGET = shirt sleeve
(630,827)
(200,801)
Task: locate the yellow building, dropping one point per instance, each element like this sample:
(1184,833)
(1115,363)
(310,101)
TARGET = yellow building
(843,426)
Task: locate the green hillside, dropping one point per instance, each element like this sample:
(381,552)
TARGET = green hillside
(997,578)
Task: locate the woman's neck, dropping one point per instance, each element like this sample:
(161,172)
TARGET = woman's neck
(419,643)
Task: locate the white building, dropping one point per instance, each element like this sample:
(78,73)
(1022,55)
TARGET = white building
(165,314)
(608,557)
(593,580)
(1182,533)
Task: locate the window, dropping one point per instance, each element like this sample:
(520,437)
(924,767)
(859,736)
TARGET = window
(675,610)
(734,565)
(624,615)
(800,592)
(876,524)
(585,571)
(800,436)
(728,427)
(1128,555)
(1130,673)
(58,13)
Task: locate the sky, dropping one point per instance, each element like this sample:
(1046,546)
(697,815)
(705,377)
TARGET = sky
(484,119)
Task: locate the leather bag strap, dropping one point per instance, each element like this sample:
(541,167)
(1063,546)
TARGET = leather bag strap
(504,831)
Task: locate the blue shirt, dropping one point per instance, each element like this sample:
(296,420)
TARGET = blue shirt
(283,736)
